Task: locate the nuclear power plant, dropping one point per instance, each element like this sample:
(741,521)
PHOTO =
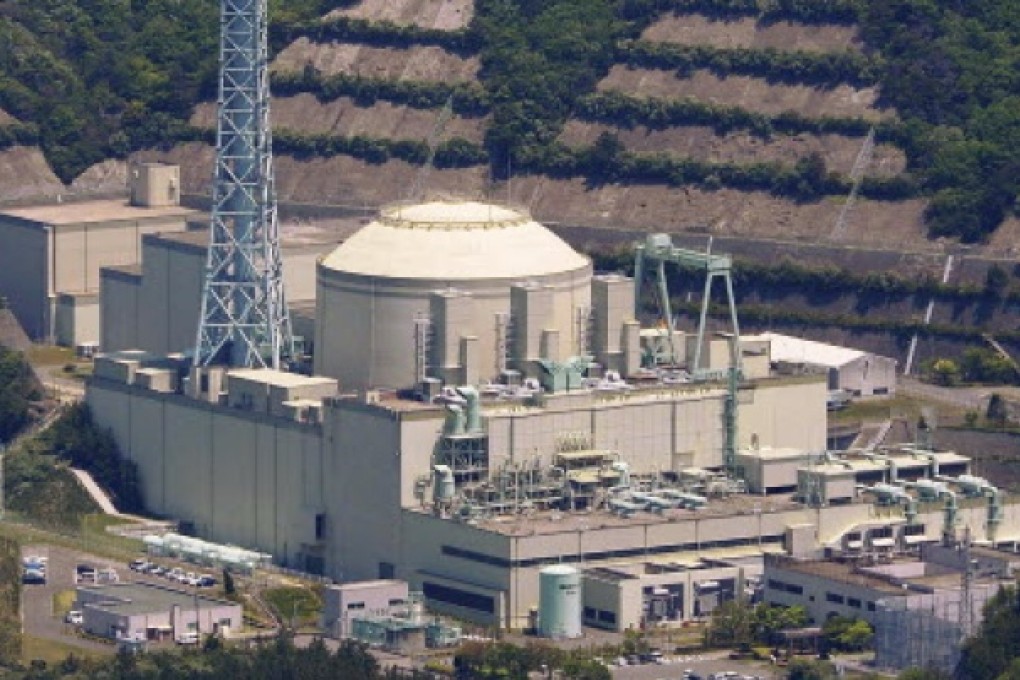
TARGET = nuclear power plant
(464,404)
(484,406)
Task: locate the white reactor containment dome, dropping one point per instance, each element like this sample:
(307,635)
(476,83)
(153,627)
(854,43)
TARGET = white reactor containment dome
(474,274)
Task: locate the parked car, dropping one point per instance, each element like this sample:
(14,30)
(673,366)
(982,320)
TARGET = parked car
(84,572)
(75,617)
(155,570)
(206,581)
(175,574)
(33,577)
(140,566)
(188,638)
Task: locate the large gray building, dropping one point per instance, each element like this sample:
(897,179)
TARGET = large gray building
(482,416)
(52,254)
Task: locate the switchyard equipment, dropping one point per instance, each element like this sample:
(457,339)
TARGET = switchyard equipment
(244,320)
(657,251)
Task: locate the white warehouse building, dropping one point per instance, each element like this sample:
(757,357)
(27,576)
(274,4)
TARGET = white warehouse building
(861,374)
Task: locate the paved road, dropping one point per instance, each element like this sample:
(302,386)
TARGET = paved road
(970,398)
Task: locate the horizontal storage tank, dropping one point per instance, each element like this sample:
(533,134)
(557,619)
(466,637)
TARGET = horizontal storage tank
(559,602)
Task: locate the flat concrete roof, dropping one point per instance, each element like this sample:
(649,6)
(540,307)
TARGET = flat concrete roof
(87,212)
(841,572)
(321,236)
(130,599)
(275,378)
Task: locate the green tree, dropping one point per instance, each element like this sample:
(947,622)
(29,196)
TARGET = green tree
(997,413)
(945,372)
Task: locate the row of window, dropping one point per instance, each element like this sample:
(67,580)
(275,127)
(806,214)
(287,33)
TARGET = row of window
(602,616)
(459,598)
(854,602)
(592,556)
(776,584)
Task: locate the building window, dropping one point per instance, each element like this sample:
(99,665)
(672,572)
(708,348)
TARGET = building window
(387,570)
(853,602)
(776,585)
(794,588)
(320,526)
(589,613)
(607,617)
(459,598)
(871,606)
(397,602)
(834,597)
(356,605)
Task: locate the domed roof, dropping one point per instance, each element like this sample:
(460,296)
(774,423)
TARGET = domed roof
(454,240)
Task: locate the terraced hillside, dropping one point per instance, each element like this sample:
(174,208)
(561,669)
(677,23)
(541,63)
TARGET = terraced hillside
(739,117)
(384,81)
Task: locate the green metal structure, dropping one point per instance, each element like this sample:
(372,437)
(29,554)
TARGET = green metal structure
(653,255)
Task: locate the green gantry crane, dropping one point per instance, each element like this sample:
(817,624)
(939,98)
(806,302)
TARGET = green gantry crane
(653,255)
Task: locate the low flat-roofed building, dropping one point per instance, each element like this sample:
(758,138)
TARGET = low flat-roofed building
(52,255)
(347,602)
(143,611)
(635,595)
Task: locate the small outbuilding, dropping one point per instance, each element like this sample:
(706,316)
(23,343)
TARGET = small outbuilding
(856,372)
(142,611)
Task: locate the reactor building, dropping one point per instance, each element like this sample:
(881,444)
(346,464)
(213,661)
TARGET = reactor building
(482,407)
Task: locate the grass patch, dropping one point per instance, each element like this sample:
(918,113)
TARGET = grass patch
(62,602)
(303,604)
(53,652)
(51,355)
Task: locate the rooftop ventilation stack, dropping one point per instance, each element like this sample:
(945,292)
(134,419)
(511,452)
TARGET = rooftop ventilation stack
(244,320)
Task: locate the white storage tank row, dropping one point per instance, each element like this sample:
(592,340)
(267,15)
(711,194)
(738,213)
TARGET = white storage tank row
(559,602)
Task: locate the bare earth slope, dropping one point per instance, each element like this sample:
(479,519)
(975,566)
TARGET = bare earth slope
(704,144)
(343,117)
(695,29)
(440,14)
(416,63)
(754,94)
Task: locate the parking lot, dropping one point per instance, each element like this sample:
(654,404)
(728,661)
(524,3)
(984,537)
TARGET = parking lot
(703,665)
(38,615)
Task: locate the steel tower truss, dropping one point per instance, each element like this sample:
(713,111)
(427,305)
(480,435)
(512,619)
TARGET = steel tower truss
(244,320)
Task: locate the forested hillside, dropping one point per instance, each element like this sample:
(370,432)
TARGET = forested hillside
(742,116)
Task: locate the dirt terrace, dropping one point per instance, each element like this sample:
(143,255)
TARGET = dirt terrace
(702,143)
(344,117)
(696,29)
(445,15)
(6,118)
(428,63)
(753,94)
(340,180)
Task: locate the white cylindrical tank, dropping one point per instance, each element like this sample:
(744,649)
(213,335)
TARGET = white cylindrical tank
(559,602)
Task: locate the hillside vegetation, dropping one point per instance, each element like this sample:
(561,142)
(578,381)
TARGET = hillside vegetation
(88,80)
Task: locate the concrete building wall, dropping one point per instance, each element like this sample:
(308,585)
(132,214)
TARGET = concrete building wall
(118,310)
(869,375)
(378,350)
(822,597)
(234,478)
(77,319)
(24,273)
(789,414)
